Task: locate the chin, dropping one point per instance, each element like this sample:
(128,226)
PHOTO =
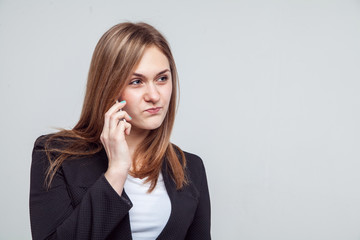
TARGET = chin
(149,126)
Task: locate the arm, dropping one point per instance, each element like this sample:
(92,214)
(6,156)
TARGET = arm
(200,226)
(102,207)
(53,216)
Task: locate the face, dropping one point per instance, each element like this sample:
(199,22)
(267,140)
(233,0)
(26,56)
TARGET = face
(148,94)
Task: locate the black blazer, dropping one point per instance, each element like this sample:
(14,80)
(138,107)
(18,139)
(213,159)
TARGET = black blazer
(81,204)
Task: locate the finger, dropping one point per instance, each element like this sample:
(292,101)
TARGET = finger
(127,129)
(118,132)
(123,128)
(118,116)
(116,107)
(123,115)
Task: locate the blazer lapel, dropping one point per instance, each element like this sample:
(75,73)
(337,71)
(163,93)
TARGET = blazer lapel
(170,186)
(183,206)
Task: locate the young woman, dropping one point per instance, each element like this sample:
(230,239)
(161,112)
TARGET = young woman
(116,175)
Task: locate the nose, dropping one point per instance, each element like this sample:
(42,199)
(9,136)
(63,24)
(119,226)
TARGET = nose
(152,93)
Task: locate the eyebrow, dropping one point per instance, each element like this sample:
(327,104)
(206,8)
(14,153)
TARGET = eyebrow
(140,75)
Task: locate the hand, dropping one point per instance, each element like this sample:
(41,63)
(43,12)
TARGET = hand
(117,150)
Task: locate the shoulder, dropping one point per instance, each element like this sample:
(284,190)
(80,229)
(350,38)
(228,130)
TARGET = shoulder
(46,147)
(194,164)
(193,161)
(40,141)
(39,146)
(194,167)
(77,170)
(50,141)
(40,162)
(40,156)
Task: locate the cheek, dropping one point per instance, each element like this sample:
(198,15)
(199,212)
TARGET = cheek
(130,101)
(130,108)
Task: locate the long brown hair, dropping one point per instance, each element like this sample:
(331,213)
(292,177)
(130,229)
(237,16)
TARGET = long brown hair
(114,58)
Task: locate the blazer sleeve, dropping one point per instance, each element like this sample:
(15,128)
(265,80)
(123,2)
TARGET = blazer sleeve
(200,226)
(53,215)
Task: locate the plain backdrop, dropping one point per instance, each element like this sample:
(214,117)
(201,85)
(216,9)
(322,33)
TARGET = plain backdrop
(269,99)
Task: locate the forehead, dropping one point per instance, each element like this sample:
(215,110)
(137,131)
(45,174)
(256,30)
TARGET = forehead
(152,62)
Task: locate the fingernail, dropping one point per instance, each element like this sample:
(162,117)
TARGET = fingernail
(123,101)
(130,117)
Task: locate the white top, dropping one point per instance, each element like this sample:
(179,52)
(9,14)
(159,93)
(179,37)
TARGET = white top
(150,211)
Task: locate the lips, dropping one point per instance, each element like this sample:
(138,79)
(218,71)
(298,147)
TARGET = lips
(153,110)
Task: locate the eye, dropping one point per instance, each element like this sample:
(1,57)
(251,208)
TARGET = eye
(135,82)
(163,79)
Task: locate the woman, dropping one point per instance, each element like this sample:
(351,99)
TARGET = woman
(116,175)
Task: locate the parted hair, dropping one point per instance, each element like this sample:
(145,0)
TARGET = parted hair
(114,58)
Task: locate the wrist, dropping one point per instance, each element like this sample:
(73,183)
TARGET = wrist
(116,178)
(116,173)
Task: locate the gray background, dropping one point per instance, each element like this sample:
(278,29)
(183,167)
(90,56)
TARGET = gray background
(269,99)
